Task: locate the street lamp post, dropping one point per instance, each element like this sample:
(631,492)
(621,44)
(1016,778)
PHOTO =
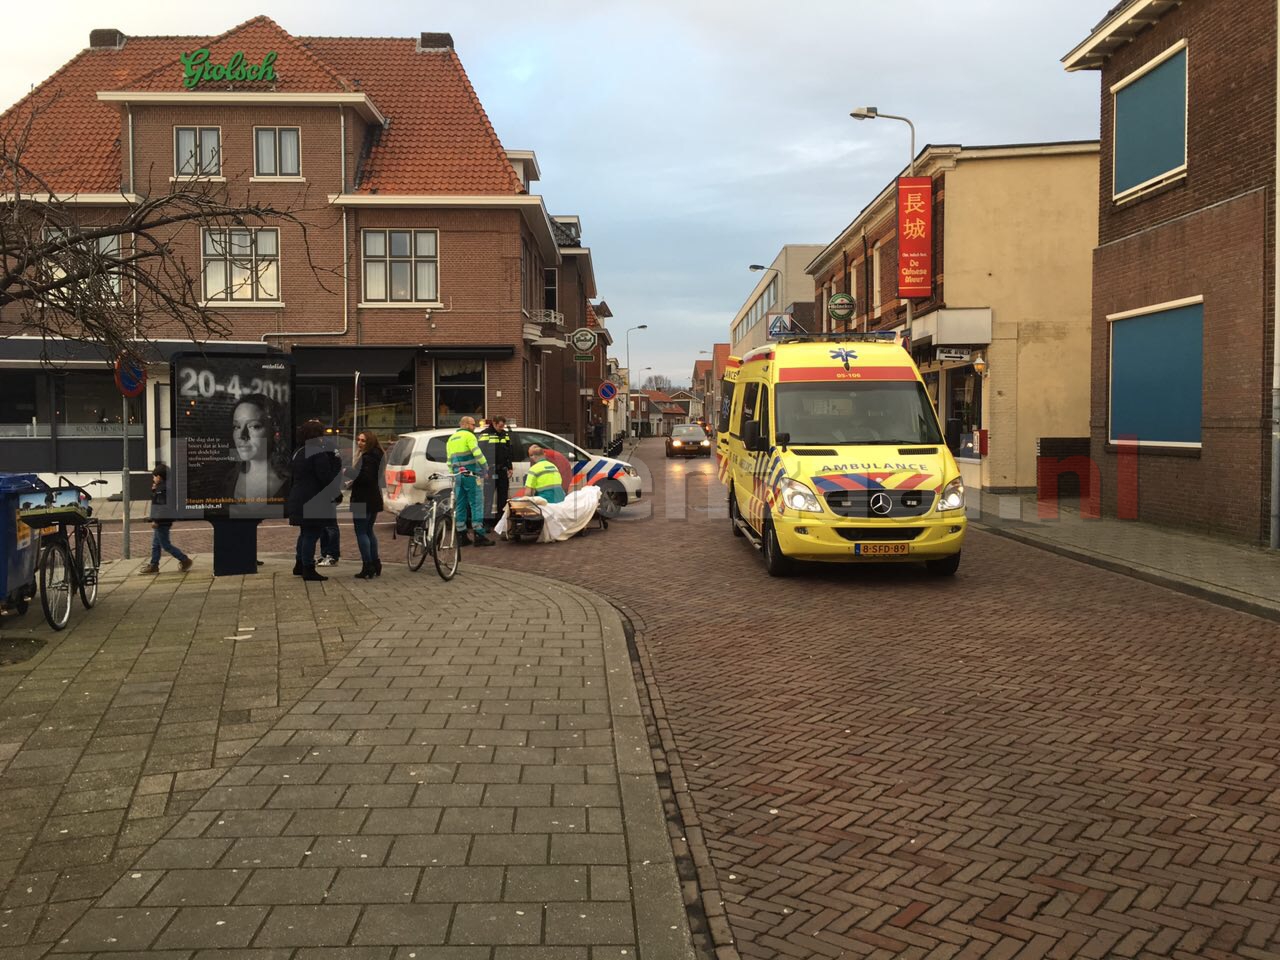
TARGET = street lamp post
(871,113)
(627,338)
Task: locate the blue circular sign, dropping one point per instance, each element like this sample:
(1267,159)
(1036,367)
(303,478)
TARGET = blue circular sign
(607,390)
(131,376)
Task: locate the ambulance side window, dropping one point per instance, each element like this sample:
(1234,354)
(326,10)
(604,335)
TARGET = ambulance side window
(746,408)
(763,414)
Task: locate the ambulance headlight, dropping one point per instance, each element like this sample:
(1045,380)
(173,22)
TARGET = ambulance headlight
(952,496)
(796,496)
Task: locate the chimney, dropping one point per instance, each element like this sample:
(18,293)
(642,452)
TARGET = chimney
(434,42)
(109,39)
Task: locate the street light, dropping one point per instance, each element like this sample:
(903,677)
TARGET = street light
(627,338)
(871,113)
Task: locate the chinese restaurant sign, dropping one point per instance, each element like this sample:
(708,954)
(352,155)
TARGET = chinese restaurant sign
(915,237)
(197,69)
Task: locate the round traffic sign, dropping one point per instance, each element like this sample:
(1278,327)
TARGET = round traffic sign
(840,306)
(131,376)
(607,390)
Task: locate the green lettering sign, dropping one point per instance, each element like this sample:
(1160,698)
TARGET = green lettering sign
(197,69)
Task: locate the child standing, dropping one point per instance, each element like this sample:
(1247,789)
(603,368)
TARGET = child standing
(161,521)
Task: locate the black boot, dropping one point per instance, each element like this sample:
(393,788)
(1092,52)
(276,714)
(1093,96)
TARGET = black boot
(377,568)
(297,569)
(365,573)
(309,573)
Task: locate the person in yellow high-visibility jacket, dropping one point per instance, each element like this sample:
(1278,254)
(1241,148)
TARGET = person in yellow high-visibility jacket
(543,479)
(466,458)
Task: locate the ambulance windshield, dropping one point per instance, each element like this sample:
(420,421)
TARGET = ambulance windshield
(888,412)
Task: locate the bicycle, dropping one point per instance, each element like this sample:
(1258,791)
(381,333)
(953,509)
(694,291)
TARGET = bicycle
(62,572)
(437,535)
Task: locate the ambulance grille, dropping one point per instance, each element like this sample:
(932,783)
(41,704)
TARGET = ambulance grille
(879,534)
(858,503)
(917,451)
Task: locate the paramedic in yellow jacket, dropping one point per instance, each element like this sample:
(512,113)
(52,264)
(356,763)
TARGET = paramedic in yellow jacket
(465,458)
(543,479)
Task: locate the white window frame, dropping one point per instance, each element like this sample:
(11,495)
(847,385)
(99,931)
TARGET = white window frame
(255,300)
(277,177)
(1129,315)
(199,174)
(110,245)
(387,259)
(435,406)
(1169,176)
(876,302)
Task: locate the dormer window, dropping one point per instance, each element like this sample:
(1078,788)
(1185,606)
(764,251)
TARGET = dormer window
(277,152)
(197,151)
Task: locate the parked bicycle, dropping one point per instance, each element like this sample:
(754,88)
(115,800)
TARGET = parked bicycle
(70,549)
(437,533)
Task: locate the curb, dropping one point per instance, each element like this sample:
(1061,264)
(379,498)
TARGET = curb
(1157,577)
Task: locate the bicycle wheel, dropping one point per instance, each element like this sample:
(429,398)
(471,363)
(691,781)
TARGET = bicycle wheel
(88,557)
(445,549)
(416,548)
(56,584)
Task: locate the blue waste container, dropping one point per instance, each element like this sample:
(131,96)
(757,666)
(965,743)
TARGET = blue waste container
(19,543)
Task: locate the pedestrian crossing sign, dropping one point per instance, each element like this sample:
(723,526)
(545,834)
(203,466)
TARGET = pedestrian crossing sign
(781,325)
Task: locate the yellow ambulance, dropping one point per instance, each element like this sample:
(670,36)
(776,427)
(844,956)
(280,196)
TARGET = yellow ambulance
(832,452)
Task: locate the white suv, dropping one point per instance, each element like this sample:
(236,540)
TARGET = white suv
(415,457)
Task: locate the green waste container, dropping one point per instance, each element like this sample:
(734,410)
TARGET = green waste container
(19,542)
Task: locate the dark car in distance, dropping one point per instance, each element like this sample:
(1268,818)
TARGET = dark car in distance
(688,440)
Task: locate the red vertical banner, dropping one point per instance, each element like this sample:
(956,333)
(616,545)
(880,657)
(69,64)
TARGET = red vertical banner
(915,237)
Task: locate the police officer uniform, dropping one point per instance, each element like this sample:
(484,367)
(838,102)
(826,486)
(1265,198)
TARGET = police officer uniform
(497,446)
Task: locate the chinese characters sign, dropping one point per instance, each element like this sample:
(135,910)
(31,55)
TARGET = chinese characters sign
(915,237)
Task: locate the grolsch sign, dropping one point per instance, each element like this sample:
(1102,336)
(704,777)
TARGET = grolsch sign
(198,69)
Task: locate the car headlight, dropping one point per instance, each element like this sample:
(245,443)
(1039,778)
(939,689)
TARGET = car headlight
(797,496)
(952,496)
(629,470)
(706,443)
(676,443)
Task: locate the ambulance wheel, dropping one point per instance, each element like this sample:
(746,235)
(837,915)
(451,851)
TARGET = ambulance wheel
(776,563)
(734,516)
(612,497)
(946,567)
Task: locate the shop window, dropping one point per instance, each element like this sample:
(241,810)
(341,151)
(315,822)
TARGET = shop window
(964,410)
(241,264)
(317,402)
(1150,123)
(197,151)
(89,405)
(1157,382)
(277,152)
(387,408)
(460,391)
(24,404)
(401,266)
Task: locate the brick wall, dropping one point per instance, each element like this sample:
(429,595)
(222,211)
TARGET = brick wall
(1191,238)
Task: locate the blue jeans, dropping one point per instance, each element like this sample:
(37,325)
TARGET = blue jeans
(470,497)
(160,541)
(308,537)
(329,542)
(365,539)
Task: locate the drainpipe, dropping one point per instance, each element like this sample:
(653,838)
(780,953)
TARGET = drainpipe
(129,111)
(1275,329)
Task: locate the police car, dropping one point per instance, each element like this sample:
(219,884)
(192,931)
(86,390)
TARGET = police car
(414,457)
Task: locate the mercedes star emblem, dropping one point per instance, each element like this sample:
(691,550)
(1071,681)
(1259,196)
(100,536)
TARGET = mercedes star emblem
(881,504)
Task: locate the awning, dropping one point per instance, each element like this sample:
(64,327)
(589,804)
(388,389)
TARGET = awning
(502,351)
(963,326)
(373,363)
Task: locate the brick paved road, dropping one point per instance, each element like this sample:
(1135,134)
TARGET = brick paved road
(1037,759)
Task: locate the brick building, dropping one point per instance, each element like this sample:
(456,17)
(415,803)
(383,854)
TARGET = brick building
(421,260)
(1184,309)
(1002,341)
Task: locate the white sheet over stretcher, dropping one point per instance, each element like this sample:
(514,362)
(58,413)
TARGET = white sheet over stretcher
(560,521)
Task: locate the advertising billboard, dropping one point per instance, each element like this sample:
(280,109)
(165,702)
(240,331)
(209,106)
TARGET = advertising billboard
(915,237)
(232,433)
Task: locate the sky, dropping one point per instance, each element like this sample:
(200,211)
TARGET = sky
(692,139)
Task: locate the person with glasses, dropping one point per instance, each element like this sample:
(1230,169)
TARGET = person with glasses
(366,501)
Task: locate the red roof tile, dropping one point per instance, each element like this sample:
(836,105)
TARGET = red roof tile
(439,139)
(701,368)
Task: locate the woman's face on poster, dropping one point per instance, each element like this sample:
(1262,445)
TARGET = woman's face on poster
(251,432)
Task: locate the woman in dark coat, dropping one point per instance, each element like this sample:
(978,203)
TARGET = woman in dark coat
(366,501)
(313,494)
